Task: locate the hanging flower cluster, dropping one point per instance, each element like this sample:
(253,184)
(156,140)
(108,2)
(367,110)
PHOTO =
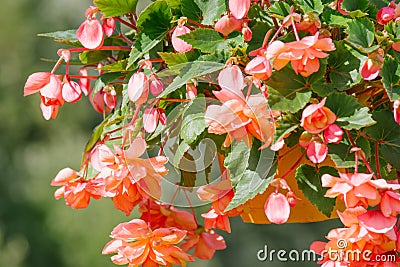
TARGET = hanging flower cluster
(244,84)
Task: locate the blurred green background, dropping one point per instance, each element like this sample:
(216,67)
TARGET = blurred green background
(35,229)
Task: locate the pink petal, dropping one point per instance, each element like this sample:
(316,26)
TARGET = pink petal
(228,24)
(376,222)
(53,88)
(35,82)
(64,176)
(231,78)
(90,34)
(239,8)
(138,88)
(277,208)
(317,152)
(150,119)
(180,45)
(71,92)
(49,112)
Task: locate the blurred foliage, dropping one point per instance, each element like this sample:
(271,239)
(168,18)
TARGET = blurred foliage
(35,229)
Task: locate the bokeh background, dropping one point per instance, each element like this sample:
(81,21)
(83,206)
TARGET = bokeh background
(35,229)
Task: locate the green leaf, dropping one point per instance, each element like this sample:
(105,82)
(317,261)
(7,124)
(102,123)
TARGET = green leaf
(66,37)
(204,11)
(309,182)
(155,20)
(259,30)
(387,132)
(311,6)
(114,8)
(119,66)
(335,18)
(352,5)
(192,126)
(209,40)
(173,59)
(103,80)
(142,46)
(250,185)
(237,161)
(342,104)
(390,77)
(361,34)
(361,118)
(186,72)
(343,69)
(281,9)
(94,57)
(291,91)
(180,152)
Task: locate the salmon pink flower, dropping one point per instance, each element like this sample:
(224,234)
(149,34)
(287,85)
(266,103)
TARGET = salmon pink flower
(90,34)
(385,15)
(76,192)
(302,54)
(372,66)
(396,111)
(376,222)
(151,116)
(390,203)
(317,151)
(138,88)
(227,24)
(239,8)
(259,67)
(191,91)
(310,23)
(104,100)
(333,134)
(155,86)
(204,244)
(108,25)
(49,112)
(277,208)
(180,45)
(354,189)
(71,91)
(240,118)
(136,244)
(317,117)
(247,33)
(84,83)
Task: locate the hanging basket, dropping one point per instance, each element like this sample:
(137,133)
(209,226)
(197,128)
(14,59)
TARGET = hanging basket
(304,211)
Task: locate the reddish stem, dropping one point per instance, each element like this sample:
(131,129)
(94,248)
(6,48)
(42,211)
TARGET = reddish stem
(198,24)
(295,165)
(295,29)
(287,152)
(175,100)
(103,48)
(59,61)
(377,162)
(126,23)
(362,155)
(83,77)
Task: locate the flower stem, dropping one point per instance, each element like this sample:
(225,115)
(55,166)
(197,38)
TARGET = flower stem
(59,61)
(126,23)
(103,48)
(198,24)
(377,162)
(295,29)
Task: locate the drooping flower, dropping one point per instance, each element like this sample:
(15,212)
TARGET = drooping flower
(390,203)
(155,86)
(317,151)
(277,208)
(205,244)
(104,100)
(239,8)
(372,65)
(108,25)
(191,91)
(136,244)
(138,88)
(239,117)
(259,67)
(90,33)
(227,24)
(71,92)
(76,192)
(396,111)
(333,134)
(151,117)
(304,54)
(317,117)
(180,45)
(247,33)
(311,23)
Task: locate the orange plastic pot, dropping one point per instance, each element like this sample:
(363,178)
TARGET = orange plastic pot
(304,211)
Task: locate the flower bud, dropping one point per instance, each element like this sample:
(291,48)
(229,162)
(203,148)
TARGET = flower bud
(277,208)
(228,24)
(385,15)
(239,8)
(247,33)
(259,67)
(178,44)
(333,134)
(156,86)
(396,111)
(138,88)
